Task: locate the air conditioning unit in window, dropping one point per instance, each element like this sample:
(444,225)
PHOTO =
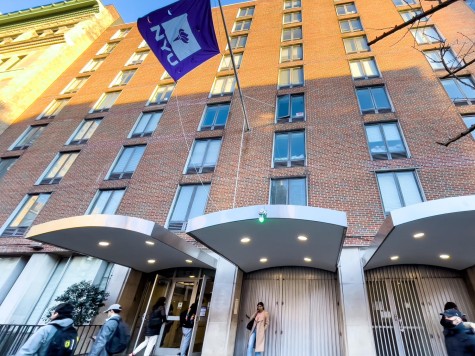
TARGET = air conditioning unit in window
(177,225)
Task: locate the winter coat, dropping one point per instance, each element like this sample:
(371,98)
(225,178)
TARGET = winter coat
(260,326)
(158,314)
(38,343)
(105,334)
(460,340)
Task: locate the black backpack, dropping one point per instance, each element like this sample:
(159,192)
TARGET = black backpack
(120,339)
(64,341)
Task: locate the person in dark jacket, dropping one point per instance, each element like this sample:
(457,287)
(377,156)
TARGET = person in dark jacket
(155,321)
(187,319)
(459,335)
(451,305)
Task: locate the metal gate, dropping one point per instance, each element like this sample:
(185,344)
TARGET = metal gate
(303,307)
(405,302)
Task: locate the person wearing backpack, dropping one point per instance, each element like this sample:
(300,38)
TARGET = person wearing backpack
(57,338)
(114,335)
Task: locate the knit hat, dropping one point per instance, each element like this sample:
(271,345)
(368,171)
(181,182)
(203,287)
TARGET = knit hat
(64,310)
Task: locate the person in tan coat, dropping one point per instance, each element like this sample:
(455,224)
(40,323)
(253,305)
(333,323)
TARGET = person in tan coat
(257,339)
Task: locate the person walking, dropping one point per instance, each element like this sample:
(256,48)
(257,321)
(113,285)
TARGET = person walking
(107,331)
(459,336)
(154,325)
(187,319)
(257,339)
(451,305)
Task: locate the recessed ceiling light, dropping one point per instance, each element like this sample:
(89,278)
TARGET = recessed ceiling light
(192,276)
(103,243)
(394,258)
(418,235)
(151,243)
(188,261)
(307,259)
(302,238)
(263,260)
(444,256)
(245,240)
(151,261)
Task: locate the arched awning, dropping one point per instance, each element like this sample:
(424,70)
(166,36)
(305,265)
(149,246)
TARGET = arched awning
(128,241)
(276,239)
(438,233)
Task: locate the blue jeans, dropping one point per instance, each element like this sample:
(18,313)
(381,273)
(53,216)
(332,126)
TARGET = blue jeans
(252,345)
(185,341)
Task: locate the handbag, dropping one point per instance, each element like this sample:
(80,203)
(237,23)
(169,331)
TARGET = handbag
(250,324)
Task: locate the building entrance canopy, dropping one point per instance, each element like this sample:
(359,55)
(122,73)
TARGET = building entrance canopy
(438,233)
(132,242)
(290,235)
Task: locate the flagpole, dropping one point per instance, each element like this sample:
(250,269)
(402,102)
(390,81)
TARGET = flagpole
(234,68)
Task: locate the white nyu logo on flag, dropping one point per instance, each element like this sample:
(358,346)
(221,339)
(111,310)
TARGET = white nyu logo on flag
(180,36)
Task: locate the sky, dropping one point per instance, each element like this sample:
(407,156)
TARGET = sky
(130,10)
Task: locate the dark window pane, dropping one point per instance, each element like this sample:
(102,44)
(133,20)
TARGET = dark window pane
(298,109)
(364,99)
(381,98)
(283,106)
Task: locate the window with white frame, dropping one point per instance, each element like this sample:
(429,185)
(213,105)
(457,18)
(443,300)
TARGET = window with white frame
(364,68)
(350,25)
(137,58)
(84,132)
(243,25)
(123,78)
(425,35)
(289,149)
(404,2)
(385,141)
(373,100)
(143,44)
(215,117)
(105,102)
(238,41)
(190,202)
(291,53)
(410,14)
(223,86)
(107,48)
(469,121)
(290,77)
(106,201)
(290,108)
(438,57)
(127,161)
(399,189)
(292,4)
(58,168)
(291,17)
(165,76)
(54,108)
(25,215)
(162,94)
(146,124)
(92,65)
(461,90)
(356,44)
(292,34)
(6,164)
(28,137)
(120,33)
(204,156)
(346,9)
(75,85)
(226,63)
(288,191)
(246,11)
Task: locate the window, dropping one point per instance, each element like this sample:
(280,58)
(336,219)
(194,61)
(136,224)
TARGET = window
(30,135)
(243,25)
(106,201)
(290,77)
(291,4)
(351,25)
(105,102)
(404,2)
(461,90)
(291,17)
(373,100)
(107,48)
(290,108)
(469,121)
(54,108)
(143,44)
(346,9)
(215,117)
(120,33)
(246,11)
(190,202)
(289,149)
(364,68)
(12,63)
(75,85)
(292,34)
(58,168)
(409,14)
(385,141)
(6,164)
(398,189)
(238,42)
(291,53)
(435,59)
(356,44)
(84,132)
(146,124)
(223,86)
(226,63)
(25,214)
(127,162)
(291,191)
(123,78)
(162,94)
(204,156)
(165,76)
(471,4)
(137,58)
(92,65)
(428,34)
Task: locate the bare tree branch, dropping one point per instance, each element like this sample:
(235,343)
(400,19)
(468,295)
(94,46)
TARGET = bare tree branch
(458,137)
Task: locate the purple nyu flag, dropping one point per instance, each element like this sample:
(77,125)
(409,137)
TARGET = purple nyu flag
(181,35)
